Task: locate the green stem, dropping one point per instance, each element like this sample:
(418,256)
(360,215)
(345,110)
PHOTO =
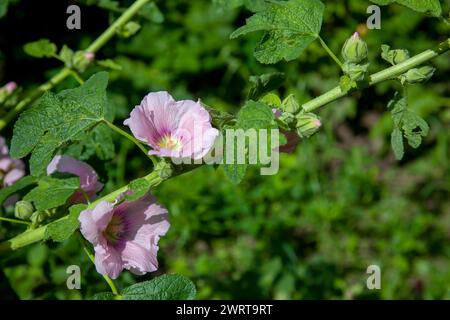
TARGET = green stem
(330,53)
(92,258)
(65,72)
(386,74)
(76,76)
(38,234)
(132,139)
(15,221)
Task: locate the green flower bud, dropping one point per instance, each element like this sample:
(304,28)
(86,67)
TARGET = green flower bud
(307,124)
(394,56)
(286,120)
(23,210)
(164,169)
(271,99)
(354,49)
(356,72)
(81,60)
(418,75)
(290,105)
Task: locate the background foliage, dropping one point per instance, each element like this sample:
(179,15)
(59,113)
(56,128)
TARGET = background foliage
(339,203)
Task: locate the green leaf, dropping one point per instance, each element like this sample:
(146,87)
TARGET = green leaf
(397,143)
(152,13)
(52,192)
(129,29)
(431,7)
(60,230)
(347,84)
(19,185)
(165,287)
(66,55)
(3,8)
(104,296)
(414,128)
(289,28)
(138,188)
(57,119)
(41,48)
(108,63)
(254,115)
(97,141)
(264,83)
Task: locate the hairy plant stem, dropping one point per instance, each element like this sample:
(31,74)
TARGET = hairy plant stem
(32,236)
(386,74)
(330,52)
(65,72)
(132,139)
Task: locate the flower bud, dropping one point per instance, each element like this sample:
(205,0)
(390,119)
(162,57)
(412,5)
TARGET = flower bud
(354,49)
(394,56)
(10,86)
(271,99)
(164,169)
(356,72)
(418,75)
(81,60)
(23,210)
(307,124)
(89,56)
(290,105)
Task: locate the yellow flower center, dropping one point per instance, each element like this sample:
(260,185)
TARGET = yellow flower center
(169,142)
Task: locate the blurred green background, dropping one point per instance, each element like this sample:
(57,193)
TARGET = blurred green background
(339,203)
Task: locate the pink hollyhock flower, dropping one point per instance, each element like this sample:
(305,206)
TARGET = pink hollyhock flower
(88,177)
(178,129)
(291,136)
(125,236)
(11,170)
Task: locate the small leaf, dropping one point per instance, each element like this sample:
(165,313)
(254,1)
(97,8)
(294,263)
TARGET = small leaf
(61,230)
(289,27)
(138,188)
(66,55)
(108,63)
(347,84)
(129,29)
(264,83)
(52,192)
(41,48)
(397,143)
(19,185)
(152,13)
(165,287)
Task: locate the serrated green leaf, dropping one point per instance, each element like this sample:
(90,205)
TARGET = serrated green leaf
(289,28)
(52,192)
(138,188)
(61,230)
(41,48)
(432,7)
(165,287)
(397,143)
(19,185)
(413,127)
(254,115)
(57,119)
(103,296)
(264,83)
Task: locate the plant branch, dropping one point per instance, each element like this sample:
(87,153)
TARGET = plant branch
(65,72)
(386,74)
(15,221)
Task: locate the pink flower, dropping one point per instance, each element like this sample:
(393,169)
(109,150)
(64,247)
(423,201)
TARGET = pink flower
(179,129)
(11,170)
(125,236)
(88,177)
(291,136)
(10,86)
